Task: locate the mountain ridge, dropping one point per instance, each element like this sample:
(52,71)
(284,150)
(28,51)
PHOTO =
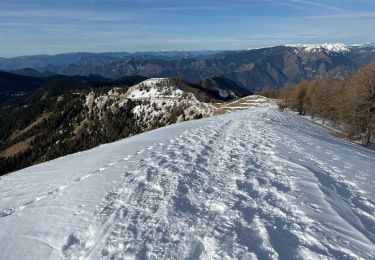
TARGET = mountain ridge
(254,70)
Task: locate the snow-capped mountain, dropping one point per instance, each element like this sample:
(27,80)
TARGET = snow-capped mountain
(325,47)
(255,184)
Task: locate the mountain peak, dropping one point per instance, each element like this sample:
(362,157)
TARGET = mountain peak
(327,47)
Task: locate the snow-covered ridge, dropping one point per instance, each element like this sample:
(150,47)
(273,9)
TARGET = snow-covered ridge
(157,88)
(255,184)
(159,102)
(163,97)
(327,47)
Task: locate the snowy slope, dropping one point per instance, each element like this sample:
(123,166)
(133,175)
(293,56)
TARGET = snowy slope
(252,184)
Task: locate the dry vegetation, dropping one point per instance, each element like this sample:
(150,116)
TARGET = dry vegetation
(29,127)
(242,104)
(349,103)
(17,148)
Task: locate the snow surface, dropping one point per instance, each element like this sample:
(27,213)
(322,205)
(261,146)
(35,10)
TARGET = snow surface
(156,88)
(252,184)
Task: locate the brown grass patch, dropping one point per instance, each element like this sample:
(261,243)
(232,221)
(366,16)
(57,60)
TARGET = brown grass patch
(17,148)
(18,133)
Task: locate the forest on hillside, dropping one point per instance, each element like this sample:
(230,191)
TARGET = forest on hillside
(54,119)
(348,103)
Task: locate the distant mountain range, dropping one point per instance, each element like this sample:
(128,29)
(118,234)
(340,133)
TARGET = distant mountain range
(17,90)
(253,70)
(65,59)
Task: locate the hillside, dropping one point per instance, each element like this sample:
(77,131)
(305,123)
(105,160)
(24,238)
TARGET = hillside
(12,85)
(17,83)
(226,87)
(252,184)
(71,114)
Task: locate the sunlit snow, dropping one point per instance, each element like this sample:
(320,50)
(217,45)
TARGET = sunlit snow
(257,183)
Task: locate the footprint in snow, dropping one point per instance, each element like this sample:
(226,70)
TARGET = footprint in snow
(6,212)
(83,177)
(53,191)
(79,211)
(315,207)
(127,158)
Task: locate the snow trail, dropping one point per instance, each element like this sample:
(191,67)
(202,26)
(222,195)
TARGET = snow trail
(252,184)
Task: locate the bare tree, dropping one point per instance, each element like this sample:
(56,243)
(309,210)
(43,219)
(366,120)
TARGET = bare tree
(364,101)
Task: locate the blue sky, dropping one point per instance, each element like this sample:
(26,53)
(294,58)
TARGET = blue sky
(51,26)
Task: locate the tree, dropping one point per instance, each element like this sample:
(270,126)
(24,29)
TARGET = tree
(298,96)
(349,102)
(364,102)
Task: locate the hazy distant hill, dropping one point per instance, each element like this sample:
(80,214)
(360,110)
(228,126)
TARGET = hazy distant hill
(85,58)
(34,73)
(225,86)
(14,86)
(13,83)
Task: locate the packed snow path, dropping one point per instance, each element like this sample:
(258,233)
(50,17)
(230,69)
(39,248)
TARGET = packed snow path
(252,184)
